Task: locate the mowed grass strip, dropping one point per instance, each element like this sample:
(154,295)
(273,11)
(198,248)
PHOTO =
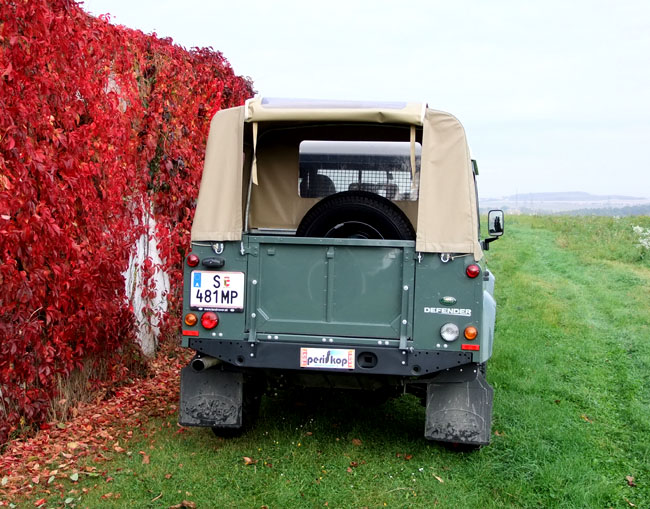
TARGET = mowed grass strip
(571,371)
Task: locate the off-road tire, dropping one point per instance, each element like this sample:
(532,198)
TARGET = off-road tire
(356,214)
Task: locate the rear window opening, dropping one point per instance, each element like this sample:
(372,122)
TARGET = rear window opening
(380,167)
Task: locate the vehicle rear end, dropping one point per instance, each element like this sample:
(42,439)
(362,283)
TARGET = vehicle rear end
(346,309)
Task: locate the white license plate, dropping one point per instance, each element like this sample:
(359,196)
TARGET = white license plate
(326,358)
(221,291)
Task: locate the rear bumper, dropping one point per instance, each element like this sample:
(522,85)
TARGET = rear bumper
(371,360)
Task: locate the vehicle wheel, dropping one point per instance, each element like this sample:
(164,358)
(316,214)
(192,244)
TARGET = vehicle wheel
(356,215)
(227,432)
(252,397)
(458,447)
(371,398)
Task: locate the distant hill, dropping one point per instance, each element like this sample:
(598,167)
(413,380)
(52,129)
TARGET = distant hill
(578,203)
(572,196)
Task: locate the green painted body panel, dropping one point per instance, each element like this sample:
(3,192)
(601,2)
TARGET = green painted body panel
(435,280)
(345,291)
(231,325)
(316,288)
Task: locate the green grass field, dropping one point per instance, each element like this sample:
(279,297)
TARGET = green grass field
(571,372)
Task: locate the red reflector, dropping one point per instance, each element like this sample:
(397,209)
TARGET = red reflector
(190,333)
(472,271)
(470,347)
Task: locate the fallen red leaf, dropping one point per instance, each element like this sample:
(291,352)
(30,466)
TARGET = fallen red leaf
(356,441)
(249,461)
(185,504)
(64,443)
(630,480)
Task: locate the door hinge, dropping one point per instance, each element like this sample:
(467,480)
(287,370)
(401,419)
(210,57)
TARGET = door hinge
(251,250)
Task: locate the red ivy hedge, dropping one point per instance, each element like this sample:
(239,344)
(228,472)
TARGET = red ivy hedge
(95,120)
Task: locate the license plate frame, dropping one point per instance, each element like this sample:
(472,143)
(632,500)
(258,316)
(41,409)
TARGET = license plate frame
(217,290)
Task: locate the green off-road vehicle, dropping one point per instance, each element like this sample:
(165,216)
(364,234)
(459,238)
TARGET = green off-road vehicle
(336,244)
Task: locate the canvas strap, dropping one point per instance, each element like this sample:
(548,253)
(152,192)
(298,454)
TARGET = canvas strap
(254,166)
(412,157)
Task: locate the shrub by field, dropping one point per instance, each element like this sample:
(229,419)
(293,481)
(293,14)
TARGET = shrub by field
(571,371)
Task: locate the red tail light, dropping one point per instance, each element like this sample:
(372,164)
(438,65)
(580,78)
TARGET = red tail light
(473,271)
(209,320)
(192,260)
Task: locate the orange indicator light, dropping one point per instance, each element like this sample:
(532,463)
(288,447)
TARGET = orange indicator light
(471,332)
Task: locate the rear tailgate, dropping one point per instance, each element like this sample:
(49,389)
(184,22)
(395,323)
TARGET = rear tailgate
(330,287)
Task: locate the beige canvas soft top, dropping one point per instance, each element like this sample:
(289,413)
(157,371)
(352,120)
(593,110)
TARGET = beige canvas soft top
(261,139)
(274,110)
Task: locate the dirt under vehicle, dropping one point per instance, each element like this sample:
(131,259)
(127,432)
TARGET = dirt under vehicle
(337,244)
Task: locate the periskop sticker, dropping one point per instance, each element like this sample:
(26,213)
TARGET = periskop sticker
(326,358)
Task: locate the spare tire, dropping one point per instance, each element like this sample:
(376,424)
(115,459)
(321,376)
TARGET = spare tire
(356,215)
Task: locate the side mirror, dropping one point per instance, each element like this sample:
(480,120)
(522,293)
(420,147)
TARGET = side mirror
(495,227)
(495,223)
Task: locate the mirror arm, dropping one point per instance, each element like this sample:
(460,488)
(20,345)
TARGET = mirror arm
(486,242)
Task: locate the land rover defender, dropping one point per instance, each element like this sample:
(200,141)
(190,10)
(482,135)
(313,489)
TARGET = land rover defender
(337,244)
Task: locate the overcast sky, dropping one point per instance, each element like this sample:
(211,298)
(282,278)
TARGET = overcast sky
(554,95)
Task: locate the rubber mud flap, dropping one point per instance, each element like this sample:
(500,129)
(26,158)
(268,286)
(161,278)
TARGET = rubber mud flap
(459,412)
(211,398)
